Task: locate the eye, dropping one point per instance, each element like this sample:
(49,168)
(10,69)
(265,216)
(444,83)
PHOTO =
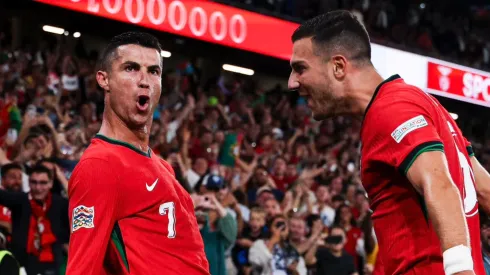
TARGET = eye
(300,69)
(130,69)
(155,72)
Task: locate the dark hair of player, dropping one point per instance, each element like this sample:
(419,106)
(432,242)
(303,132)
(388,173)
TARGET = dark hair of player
(138,38)
(40,169)
(10,166)
(337,32)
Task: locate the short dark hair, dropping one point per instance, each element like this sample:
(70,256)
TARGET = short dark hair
(138,38)
(40,169)
(337,31)
(10,166)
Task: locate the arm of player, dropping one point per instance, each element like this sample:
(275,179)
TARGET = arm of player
(482,184)
(402,130)
(430,176)
(92,210)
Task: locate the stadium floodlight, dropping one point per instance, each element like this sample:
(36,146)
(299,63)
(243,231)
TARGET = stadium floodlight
(52,29)
(165,54)
(454,116)
(77,34)
(66,33)
(238,70)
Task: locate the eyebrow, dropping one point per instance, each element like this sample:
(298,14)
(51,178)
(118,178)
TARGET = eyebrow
(296,63)
(137,65)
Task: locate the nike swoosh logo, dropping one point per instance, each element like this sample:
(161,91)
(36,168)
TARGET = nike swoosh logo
(151,187)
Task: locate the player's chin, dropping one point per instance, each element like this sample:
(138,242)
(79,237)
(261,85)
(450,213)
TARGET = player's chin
(140,120)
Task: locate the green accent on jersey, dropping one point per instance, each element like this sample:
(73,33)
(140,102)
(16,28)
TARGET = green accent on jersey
(117,238)
(470,151)
(424,147)
(125,144)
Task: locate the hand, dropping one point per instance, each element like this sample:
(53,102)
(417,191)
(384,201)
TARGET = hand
(317,228)
(191,103)
(229,201)
(293,267)
(276,233)
(26,154)
(202,202)
(368,269)
(186,134)
(3,157)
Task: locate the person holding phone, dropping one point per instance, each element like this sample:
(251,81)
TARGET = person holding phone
(332,258)
(275,255)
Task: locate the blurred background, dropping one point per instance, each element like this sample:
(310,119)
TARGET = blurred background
(225,121)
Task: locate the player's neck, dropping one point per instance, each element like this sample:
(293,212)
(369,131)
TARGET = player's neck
(365,84)
(113,127)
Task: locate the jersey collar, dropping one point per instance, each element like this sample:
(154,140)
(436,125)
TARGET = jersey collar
(125,144)
(389,79)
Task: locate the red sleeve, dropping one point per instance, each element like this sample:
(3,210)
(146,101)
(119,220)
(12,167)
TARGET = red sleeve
(398,130)
(92,210)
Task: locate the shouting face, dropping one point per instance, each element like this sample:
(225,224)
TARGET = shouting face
(133,84)
(317,78)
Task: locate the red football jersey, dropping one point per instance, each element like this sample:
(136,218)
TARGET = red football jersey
(402,122)
(129,215)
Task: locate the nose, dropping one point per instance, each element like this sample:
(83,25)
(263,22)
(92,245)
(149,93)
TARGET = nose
(143,81)
(293,83)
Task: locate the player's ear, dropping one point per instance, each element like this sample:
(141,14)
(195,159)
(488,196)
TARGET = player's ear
(102,80)
(339,63)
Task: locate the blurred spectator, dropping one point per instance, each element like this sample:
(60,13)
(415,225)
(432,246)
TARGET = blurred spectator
(39,224)
(8,264)
(323,205)
(11,182)
(306,244)
(276,255)
(254,231)
(218,227)
(354,243)
(332,258)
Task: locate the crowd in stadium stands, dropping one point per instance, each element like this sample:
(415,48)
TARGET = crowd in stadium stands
(437,28)
(290,185)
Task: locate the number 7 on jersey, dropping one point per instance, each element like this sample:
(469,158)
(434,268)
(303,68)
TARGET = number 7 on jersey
(168,209)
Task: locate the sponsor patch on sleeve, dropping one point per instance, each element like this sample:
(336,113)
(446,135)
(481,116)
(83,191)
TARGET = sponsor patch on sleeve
(83,217)
(408,126)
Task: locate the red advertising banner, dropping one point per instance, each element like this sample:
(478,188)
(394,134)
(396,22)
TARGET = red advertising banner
(458,83)
(199,19)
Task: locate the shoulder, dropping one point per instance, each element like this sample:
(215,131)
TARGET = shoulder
(99,150)
(399,104)
(95,172)
(167,166)
(396,96)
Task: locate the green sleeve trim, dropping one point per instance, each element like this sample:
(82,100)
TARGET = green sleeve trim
(470,151)
(117,238)
(419,149)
